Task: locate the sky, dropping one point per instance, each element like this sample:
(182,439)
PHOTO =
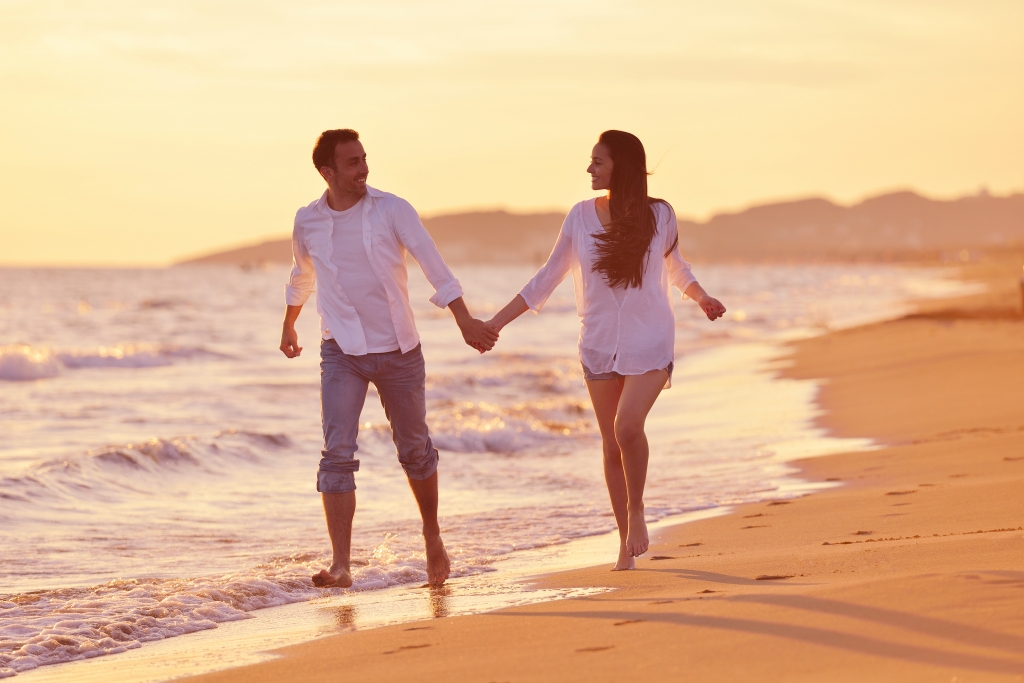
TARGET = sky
(139,132)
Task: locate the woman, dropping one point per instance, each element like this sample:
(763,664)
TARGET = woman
(623,252)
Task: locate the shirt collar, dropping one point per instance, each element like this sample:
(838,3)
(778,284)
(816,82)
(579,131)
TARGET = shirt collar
(321,203)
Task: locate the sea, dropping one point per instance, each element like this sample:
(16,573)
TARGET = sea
(158,453)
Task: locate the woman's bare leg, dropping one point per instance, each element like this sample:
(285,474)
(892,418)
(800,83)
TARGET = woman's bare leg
(604,394)
(639,392)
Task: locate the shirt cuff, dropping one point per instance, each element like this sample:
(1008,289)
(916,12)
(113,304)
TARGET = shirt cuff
(447,294)
(686,284)
(528,299)
(294,296)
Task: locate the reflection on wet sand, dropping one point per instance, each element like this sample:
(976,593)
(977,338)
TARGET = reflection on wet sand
(345,617)
(439,604)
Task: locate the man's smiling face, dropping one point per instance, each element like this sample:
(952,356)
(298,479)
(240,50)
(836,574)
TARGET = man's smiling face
(348,176)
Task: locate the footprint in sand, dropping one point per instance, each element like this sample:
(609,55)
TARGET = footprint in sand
(406,647)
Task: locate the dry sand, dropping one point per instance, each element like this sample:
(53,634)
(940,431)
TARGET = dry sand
(912,570)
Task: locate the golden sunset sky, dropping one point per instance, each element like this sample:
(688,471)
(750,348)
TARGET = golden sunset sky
(138,132)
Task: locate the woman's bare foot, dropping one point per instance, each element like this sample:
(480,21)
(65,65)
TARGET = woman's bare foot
(438,566)
(637,541)
(625,562)
(335,577)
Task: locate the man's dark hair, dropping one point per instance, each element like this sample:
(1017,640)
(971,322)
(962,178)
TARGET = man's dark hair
(323,151)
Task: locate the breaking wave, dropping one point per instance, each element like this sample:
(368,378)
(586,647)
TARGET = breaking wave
(481,427)
(101,471)
(21,362)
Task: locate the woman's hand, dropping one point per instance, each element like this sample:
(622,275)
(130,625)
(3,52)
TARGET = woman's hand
(712,307)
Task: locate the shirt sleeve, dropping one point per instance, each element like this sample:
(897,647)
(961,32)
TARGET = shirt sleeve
(302,279)
(417,240)
(679,273)
(551,274)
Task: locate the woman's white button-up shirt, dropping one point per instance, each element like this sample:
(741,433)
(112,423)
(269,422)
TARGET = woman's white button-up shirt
(630,334)
(390,228)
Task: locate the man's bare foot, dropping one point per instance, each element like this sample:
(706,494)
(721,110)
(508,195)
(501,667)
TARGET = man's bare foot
(335,577)
(637,541)
(438,566)
(624,562)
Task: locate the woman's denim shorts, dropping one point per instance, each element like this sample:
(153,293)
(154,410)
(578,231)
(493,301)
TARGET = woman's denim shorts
(589,375)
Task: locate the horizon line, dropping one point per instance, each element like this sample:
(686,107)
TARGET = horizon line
(172,261)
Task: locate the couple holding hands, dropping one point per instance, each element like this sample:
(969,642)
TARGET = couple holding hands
(623,251)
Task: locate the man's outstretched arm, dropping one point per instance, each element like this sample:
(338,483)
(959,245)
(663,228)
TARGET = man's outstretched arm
(477,333)
(289,337)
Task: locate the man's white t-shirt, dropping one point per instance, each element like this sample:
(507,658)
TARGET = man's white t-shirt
(359,282)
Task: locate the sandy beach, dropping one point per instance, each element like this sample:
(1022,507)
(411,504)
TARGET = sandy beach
(910,570)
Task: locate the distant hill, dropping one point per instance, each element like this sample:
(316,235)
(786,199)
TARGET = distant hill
(896,223)
(474,237)
(890,225)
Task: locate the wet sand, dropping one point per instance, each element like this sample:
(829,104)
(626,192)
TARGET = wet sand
(910,569)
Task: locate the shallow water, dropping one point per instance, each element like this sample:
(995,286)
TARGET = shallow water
(158,454)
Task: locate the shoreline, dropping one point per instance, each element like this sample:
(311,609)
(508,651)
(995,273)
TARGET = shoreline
(542,579)
(909,571)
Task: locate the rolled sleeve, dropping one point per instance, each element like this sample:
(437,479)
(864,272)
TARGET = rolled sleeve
(302,279)
(554,270)
(417,240)
(447,294)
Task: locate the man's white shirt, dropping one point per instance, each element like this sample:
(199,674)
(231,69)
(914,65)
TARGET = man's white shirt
(390,228)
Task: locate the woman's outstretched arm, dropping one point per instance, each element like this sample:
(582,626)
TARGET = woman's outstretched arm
(540,287)
(512,310)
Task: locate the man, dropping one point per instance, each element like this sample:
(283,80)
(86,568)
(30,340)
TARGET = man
(353,240)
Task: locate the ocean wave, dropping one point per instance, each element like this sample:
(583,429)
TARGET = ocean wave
(101,471)
(480,427)
(21,362)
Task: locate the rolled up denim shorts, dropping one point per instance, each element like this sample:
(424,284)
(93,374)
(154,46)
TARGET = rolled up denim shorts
(590,375)
(400,379)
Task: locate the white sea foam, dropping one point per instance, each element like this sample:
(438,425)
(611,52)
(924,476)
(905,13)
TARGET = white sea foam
(53,626)
(20,362)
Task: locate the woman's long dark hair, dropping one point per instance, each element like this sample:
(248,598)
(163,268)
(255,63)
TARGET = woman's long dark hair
(623,247)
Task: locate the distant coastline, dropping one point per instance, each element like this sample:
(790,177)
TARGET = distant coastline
(891,227)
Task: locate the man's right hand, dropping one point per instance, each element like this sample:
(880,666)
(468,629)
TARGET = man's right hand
(478,334)
(290,342)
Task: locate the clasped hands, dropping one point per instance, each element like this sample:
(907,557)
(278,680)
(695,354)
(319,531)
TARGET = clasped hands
(479,334)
